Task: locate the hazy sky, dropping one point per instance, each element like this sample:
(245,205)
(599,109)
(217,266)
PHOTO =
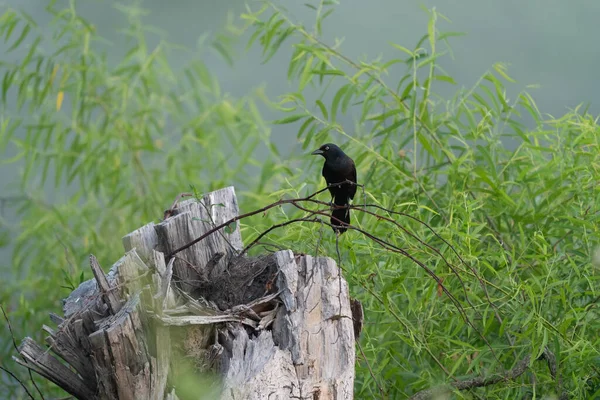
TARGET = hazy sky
(548,42)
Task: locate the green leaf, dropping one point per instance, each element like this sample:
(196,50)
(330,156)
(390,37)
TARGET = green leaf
(229,229)
(444,78)
(395,125)
(289,119)
(431,29)
(336,101)
(220,48)
(430,59)
(20,39)
(306,73)
(348,95)
(323,109)
(385,115)
(501,70)
(446,35)
(277,44)
(305,125)
(403,49)
(323,72)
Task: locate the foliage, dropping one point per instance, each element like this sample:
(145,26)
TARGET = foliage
(114,144)
(518,206)
(510,195)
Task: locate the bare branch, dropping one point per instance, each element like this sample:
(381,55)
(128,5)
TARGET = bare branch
(14,342)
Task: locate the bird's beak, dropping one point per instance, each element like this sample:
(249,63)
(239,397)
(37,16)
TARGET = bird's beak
(317,152)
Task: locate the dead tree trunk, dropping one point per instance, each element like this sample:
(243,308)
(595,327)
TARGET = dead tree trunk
(277,326)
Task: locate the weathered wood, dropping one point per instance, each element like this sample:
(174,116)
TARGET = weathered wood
(194,218)
(259,369)
(131,268)
(204,320)
(314,330)
(108,294)
(66,344)
(56,319)
(144,240)
(120,355)
(165,292)
(276,326)
(163,362)
(102,363)
(85,297)
(41,361)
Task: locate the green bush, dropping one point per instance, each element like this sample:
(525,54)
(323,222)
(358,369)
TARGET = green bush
(505,215)
(114,146)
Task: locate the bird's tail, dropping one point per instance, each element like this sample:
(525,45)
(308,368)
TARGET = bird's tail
(340,214)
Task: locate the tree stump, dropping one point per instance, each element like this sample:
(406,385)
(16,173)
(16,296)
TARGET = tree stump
(278,326)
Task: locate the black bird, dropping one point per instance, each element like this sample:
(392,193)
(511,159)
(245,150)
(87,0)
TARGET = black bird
(338,168)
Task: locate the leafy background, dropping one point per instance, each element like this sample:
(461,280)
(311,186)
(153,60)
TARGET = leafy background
(103,142)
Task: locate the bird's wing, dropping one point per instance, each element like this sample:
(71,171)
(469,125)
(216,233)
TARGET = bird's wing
(353,179)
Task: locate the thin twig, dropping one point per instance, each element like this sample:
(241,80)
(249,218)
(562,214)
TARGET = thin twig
(429,271)
(385,244)
(473,271)
(381,391)
(14,342)
(18,380)
(237,218)
(472,383)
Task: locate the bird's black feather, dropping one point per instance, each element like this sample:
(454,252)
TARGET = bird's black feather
(338,169)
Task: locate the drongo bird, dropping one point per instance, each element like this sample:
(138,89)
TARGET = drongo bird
(338,169)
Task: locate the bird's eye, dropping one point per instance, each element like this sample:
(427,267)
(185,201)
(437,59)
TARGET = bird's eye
(326,148)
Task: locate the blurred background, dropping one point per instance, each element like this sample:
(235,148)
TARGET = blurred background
(550,45)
